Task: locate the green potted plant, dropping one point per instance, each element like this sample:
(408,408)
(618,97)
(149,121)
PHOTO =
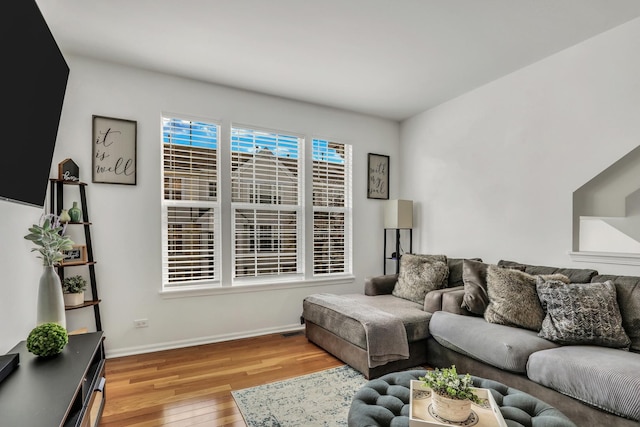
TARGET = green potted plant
(73,290)
(47,339)
(452,394)
(51,242)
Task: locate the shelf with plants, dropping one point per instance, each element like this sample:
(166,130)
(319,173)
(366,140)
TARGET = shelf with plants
(86,303)
(82,255)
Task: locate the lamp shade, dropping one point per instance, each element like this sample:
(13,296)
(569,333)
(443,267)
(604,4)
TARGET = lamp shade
(398,214)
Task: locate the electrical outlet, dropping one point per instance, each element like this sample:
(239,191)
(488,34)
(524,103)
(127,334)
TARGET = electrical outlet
(141,323)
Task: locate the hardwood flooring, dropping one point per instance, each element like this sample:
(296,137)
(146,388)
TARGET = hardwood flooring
(192,386)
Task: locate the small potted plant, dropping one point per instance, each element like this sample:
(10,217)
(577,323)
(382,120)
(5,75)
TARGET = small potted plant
(47,339)
(452,394)
(73,290)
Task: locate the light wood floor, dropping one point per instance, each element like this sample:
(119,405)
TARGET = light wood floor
(192,386)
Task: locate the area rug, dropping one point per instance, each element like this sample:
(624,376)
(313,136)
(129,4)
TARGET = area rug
(319,399)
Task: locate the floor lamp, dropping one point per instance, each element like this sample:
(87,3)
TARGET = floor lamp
(398,215)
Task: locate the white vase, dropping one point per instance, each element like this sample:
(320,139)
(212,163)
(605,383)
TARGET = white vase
(455,410)
(72,300)
(50,300)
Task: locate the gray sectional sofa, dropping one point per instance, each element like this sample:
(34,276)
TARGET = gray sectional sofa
(593,384)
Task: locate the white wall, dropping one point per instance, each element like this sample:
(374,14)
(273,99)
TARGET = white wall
(126,219)
(493,171)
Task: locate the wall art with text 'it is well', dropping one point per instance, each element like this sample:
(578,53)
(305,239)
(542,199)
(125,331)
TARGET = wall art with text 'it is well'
(114,150)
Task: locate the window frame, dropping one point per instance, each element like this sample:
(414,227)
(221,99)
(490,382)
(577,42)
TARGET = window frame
(346,209)
(226,282)
(167,205)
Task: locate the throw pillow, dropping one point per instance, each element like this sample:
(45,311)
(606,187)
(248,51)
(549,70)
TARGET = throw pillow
(455,271)
(474,278)
(420,274)
(628,296)
(581,314)
(513,300)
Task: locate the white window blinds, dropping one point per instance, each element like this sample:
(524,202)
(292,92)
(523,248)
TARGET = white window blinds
(331,207)
(266,198)
(190,202)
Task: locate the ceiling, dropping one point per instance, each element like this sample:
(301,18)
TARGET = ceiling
(388,58)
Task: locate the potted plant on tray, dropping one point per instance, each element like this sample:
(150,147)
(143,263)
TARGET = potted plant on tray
(73,290)
(451,395)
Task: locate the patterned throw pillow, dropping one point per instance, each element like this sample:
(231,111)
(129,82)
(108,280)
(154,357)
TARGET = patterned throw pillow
(513,300)
(420,274)
(582,314)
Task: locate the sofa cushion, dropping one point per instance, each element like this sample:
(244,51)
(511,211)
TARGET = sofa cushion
(474,277)
(575,275)
(513,300)
(416,320)
(433,301)
(581,313)
(420,274)
(501,346)
(628,295)
(602,377)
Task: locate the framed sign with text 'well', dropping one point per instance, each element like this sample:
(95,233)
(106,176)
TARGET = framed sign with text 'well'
(114,150)
(378,177)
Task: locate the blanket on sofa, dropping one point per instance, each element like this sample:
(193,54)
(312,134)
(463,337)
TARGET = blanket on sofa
(385,333)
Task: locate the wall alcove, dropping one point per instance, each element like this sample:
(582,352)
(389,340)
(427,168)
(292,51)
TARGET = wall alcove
(606,214)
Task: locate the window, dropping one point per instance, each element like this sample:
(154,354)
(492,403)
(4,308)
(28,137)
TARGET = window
(264,221)
(331,207)
(266,203)
(190,202)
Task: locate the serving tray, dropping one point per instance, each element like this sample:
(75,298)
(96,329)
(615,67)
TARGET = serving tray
(486,414)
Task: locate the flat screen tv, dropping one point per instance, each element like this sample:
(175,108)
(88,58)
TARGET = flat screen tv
(35,79)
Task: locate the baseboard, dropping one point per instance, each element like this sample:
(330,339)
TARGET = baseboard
(131,351)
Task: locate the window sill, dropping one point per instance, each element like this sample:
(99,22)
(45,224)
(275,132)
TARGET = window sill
(183,292)
(606,258)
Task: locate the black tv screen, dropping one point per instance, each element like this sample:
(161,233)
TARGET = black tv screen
(35,79)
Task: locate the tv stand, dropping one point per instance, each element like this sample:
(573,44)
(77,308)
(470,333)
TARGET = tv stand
(65,390)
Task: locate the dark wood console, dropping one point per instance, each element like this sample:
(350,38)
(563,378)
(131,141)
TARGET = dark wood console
(66,390)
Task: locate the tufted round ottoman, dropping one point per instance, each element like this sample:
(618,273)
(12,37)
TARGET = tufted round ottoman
(385,402)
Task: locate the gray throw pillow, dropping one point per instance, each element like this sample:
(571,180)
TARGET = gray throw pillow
(455,271)
(513,300)
(420,274)
(581,314)
(474,278)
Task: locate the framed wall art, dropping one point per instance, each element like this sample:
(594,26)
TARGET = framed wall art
(114,150)
(378,177)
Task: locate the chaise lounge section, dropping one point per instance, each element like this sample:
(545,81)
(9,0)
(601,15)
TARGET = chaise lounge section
(341,334)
